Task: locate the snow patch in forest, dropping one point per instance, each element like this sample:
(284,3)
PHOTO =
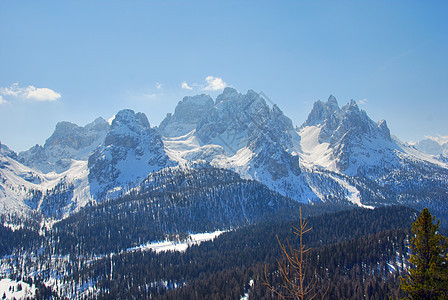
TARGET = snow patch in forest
(16,289)
(193,239)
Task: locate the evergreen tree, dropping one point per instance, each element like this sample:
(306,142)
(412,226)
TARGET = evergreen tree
(428,276)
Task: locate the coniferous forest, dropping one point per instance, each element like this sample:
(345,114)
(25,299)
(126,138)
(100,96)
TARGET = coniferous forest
(355,254)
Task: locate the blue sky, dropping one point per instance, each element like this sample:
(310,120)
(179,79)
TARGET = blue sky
(77,60)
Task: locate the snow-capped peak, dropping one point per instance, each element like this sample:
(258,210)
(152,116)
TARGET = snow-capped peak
(131,150)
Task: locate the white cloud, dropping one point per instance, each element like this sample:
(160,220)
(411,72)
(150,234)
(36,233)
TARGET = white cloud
(186,86)
(158,85)
(2,101)
(30,92)
(214,84)
(41,94)
(362,101)
(441,139)
(13,90)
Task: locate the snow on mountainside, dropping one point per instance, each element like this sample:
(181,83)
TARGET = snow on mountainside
(242,133)
(338,155)
(377,167)
(15,180)
(346,140)
(131,150)
(23,189)
(69,141)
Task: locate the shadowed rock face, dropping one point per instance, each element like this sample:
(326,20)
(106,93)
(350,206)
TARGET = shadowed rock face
(247,117)
(131,150)
(73,136)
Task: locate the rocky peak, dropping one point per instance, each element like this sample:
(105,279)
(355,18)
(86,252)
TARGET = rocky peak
(5,151)
(131,150)
(187,115)
(324,114)
(99,124)
(68,141)
(70,135)
(234,116)
(382,125)
(358,121)
(127,129)
(332,102)
(245,120)
(66,134)
(327,115)
(227,94)
(128,118)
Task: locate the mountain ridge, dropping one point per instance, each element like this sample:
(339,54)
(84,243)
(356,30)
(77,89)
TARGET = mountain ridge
(337,155)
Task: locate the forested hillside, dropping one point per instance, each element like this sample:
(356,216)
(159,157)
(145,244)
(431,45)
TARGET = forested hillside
(355,252)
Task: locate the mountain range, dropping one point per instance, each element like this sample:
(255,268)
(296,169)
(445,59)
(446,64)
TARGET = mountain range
(337,156)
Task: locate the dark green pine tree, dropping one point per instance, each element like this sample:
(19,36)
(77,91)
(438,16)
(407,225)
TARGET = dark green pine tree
(428,276)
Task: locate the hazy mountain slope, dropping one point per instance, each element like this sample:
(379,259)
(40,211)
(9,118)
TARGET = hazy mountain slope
(68,141)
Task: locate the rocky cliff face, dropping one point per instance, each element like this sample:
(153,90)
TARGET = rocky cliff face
(5,151)
(188,113)
(131,150)
(354,139)
(242,133)
(69,141)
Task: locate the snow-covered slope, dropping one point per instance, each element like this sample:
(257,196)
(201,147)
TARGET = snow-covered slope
(242,133)
(12,289)
(23,190)
(131,150)
(68,142)
(338,155)
(372,164)
(15,181)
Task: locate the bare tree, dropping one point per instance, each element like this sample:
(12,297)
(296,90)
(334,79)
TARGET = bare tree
(293,268)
